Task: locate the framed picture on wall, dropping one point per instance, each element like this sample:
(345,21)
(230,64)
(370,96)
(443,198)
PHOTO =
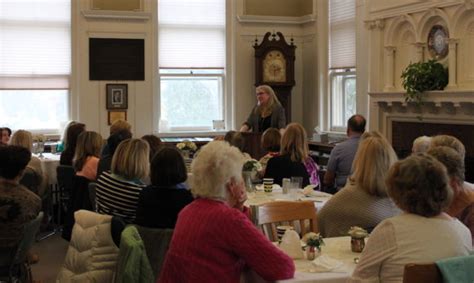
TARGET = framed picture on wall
(117,96)
(116,115)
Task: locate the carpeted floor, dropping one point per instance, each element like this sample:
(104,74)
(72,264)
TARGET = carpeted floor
(51,252)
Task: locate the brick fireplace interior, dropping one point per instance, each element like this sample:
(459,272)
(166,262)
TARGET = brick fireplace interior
(404,133)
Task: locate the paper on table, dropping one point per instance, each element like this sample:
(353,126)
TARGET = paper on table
(325,263)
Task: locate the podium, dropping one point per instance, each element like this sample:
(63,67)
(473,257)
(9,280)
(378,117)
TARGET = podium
(252,145)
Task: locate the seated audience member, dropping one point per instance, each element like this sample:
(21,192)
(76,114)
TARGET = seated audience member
(154,143)
(421,144)
(462,206)
(118,191)
(116,127)
(18,204)
(418,185)
(271,140)
(62,143)
(294,159)
(25,139)
(73,133)
(236,139)
(113,141)
(342,155)
(214,239)
(364,201)
(86,159)
(5,135)
(161,202)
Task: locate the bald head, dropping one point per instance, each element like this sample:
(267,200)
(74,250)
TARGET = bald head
(356,124)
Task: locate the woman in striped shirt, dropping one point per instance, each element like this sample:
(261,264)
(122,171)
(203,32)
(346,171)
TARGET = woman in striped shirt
(118,190)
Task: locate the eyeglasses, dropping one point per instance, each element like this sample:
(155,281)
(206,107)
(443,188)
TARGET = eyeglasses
(260,93)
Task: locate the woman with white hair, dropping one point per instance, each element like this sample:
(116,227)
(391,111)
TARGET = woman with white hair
(267,114)
(213,238)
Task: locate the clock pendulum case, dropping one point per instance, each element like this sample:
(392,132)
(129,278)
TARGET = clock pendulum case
(275,66)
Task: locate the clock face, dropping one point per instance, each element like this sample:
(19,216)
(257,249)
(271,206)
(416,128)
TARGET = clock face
(274,67)
(438,42)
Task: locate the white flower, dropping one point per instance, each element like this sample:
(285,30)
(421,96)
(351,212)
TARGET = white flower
(357,232)
(251,165)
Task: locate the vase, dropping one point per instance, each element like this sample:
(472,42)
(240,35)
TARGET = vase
(312,253)
(357,244)
(248,180)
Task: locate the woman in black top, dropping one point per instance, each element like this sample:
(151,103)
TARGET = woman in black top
(267,114)
(161,202)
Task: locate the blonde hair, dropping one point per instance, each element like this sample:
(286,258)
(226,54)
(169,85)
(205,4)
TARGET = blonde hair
(421,144)
(89,144)
(371,163)
(272,104)
(216,164)
(449,141)
(22,138)
(130,159)
(119,125)
(295,143)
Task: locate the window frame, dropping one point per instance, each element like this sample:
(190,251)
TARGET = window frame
(219,74)
(345,73)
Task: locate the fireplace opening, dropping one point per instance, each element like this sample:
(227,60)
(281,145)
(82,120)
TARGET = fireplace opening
(404,133)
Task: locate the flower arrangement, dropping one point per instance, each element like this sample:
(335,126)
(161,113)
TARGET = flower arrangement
(314,240)
(252,165)
(186,145)
(357,232)
(39,138)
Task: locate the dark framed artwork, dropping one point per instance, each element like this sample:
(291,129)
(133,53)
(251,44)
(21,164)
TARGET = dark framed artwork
(116,96)
(116,115)
(438,45)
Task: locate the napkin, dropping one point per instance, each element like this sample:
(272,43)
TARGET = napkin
(308,190)
(325,263)
(291,244)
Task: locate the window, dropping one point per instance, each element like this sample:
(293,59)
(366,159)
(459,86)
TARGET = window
(192,50)
(342,72)
(35,63)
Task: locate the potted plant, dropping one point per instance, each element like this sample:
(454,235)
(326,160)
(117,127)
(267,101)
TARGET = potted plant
(422,76)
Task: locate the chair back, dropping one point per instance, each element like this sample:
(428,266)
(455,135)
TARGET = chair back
(31,180)
(92,186)
(14,261)
(415,273)
(65,175)
(157,242)
(299,214)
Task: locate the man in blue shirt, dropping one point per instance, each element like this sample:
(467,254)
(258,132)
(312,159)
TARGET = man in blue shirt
(340,162)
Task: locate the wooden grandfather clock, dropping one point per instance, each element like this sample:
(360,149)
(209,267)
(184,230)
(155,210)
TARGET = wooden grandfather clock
(275,66)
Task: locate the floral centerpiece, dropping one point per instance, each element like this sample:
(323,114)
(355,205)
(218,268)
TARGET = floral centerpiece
(313,242)
(39,138)
(38,147)
(357,232)
(252,165)
(186,147)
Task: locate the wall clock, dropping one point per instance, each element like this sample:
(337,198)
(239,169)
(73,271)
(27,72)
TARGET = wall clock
(438,45)
(274,67)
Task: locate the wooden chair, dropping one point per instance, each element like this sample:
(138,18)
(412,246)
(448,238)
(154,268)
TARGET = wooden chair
(415,273)
(296,213)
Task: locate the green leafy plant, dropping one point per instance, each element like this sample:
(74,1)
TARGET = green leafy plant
(422,76)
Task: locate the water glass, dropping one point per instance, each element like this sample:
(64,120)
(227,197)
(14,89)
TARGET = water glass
(297,182)
(286,185)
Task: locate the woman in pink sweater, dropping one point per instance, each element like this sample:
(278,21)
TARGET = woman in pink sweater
(214,239)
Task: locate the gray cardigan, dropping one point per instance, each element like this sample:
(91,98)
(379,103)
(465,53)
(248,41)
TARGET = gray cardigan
(278,119)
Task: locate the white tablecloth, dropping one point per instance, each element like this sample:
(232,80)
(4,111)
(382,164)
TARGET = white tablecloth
(259,197)
(49,163)
(338,248)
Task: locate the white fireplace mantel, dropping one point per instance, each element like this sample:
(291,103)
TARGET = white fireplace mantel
(447,107)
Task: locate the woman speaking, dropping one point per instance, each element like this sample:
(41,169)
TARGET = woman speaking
(267,114)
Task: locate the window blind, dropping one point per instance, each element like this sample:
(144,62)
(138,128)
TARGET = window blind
(191,33)
(342,34)
(35,44)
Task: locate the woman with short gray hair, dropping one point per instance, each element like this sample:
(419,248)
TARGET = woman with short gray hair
(424,233)
(213,237)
